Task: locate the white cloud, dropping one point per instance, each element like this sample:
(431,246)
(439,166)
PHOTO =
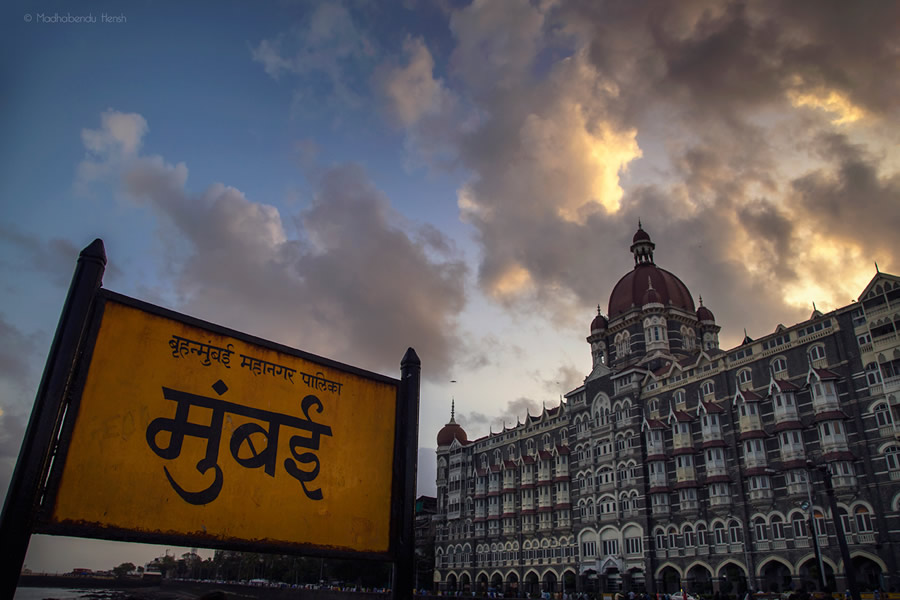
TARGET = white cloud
(360,284)
(411,90)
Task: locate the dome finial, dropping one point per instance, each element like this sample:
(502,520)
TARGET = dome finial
(642,246)
(701,299)
(598,310)
(452,409)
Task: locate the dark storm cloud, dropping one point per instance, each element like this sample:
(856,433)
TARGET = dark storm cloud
(722,97)
(361,285)
(726,57)
(55,257)
(851,195)
(20,364)
(478,424)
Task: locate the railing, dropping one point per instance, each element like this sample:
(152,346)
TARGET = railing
(682,440)
(792,453)
(716,469)
(659,479)
(750,423)
(891,384)
(712,434)
(685,474)
(784,413)
(755,460)
(884,342)
(760,494)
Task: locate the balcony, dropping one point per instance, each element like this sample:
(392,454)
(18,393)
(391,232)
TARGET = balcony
(844,481)
(756,495)
(659,480)
(685,474)
(690,505)
(656,448)
(786,412)
(834,444)
(661,509)
(891,384)
(717,501)
(793,453)
(752,461)
(823,404)
(867,538)
(795,489)
(716,470)
(750,423)
(712,434)
(682,440)
(885,342)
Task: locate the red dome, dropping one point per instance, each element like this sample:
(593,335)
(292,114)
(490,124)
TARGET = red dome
(704,314)
(449,432)
(599,323)
(630,290)
(651,296)
(640,236)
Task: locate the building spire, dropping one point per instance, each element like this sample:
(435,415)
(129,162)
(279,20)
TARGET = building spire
(452,410)
(876,267)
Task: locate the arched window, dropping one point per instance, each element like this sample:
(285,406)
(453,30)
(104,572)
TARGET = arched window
(734,532)
(660,539)
(720,533)
(892,459)
(817,353)
(779,365)
(863,520)
(798,525)
(688,536)
(873,375)
(673,538)
(777,527)
(709,388)
(744,376)
(760,529)
(882,415)
(701,534)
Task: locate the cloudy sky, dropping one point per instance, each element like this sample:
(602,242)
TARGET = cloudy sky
(461,177)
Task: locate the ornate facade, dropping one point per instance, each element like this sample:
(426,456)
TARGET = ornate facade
(679,465)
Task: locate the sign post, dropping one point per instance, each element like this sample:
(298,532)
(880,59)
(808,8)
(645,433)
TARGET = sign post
(180,431)
(17,519)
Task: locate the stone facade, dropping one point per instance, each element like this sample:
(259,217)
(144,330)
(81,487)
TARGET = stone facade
(679,465)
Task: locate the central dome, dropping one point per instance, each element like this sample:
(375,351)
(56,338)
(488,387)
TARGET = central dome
(632,288)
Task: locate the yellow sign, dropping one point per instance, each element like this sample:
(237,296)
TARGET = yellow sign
(182,431)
